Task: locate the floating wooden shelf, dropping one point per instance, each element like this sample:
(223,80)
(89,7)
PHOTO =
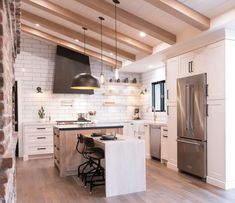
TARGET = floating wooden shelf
(122,95)
(123,84)
(116,104)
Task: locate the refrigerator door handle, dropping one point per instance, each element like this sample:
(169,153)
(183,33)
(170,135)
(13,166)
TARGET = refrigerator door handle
(187,92)
(191,108)
(188,142)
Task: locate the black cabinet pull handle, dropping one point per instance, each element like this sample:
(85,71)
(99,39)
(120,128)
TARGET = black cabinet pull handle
(167,110)
(165,136)
(207,110)
(41,128)
(58,148)
(167,94)
(165,130)
(41,138)
(207,90)
(191,66)
(41,148)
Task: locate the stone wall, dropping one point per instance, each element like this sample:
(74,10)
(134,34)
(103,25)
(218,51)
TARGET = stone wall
(9,47)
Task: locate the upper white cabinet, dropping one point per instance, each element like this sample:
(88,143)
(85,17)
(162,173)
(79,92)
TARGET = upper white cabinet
(171,75)
(192,63)
(216,70)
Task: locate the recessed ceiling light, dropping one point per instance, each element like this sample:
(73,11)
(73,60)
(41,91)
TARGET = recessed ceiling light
(142,34)
(150,66)
(37,25)
(76,40)
(111,54)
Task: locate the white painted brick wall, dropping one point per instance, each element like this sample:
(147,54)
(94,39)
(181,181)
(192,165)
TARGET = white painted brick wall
(35,67)
(147,79)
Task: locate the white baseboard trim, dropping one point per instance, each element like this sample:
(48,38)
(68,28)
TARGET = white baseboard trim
(172,166)
(221,184)
(216,182)
(147,156)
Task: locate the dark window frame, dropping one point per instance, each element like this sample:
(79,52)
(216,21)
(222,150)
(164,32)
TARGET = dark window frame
(162,97)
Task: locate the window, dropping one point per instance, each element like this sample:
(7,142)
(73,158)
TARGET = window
(158,96)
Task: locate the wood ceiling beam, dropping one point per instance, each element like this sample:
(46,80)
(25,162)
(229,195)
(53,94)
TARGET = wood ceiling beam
(130,20)
(73,34)
(90,24)
(69,45)
(183,12)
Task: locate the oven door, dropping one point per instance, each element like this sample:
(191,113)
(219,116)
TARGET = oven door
(192,157)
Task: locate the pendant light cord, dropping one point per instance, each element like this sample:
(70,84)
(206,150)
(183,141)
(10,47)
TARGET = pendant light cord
(101,42)
(84,38)
(116,31)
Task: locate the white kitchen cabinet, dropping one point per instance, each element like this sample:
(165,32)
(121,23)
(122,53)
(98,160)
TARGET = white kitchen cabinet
(171,75)
(184,64)
(37,139)
(216,70)
(192,63)
(139,129)
(172,136)
(147,140)
(164,144)
(216,143)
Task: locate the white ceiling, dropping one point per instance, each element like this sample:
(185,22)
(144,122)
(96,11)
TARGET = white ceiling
(210,8)
(140,8)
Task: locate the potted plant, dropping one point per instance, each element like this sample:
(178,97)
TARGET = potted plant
(41,114)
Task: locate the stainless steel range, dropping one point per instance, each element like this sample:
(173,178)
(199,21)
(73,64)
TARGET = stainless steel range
(80,121)
(191,125)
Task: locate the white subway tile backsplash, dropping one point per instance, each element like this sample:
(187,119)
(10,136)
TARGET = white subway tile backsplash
(35,67)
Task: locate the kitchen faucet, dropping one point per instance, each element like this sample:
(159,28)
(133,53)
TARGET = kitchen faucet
(154,113)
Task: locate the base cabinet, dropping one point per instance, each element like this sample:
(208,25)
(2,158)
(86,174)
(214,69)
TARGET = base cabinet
(37,139)
(164,144)
(66,157)
(216,143)
(172,136)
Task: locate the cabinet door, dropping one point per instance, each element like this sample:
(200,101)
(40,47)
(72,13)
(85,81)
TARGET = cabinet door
(164,143)
(147,140)
(216,72)
(199,64)
(172,136)
(184,64)
(171,75)
(216,140)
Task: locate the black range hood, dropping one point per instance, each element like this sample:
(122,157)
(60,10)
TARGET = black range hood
(68,64)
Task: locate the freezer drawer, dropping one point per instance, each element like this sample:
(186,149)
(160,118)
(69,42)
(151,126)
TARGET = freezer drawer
(155,141)
(192,157)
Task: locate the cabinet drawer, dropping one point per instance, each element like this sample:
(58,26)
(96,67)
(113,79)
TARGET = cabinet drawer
(40,139)
(33,150)
(41,129)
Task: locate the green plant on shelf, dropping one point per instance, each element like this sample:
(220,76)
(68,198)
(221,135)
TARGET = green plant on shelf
(41,113)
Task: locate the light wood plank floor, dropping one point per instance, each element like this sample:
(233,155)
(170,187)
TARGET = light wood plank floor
(38,182)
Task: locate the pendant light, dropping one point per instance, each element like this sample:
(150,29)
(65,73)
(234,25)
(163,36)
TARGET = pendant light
(116,68)
(101,50)
(85,81)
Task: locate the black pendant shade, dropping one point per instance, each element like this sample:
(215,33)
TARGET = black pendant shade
(85,81)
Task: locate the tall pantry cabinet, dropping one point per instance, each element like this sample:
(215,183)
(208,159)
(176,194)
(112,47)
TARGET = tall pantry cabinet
(218,61)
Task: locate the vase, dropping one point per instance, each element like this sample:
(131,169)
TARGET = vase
(42,120)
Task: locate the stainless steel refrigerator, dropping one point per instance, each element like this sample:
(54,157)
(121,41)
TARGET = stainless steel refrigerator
(191,125)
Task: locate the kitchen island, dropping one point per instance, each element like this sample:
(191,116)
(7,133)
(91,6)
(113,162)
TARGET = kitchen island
(124,163)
